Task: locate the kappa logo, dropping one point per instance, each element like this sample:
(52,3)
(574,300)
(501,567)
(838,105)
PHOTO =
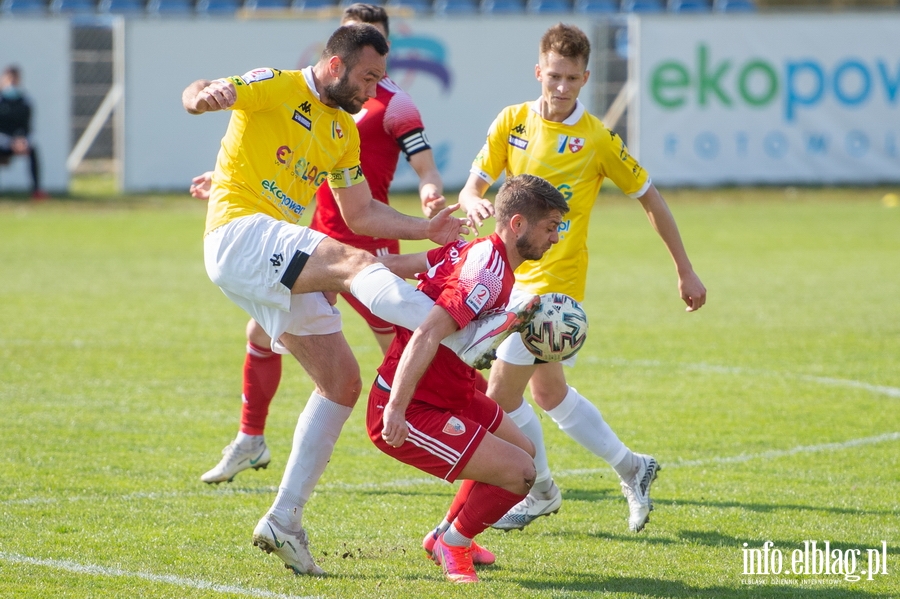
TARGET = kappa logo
(306,107)
(478,298)
(454,427)
(520,129)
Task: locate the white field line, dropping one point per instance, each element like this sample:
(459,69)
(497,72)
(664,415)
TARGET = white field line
(76,568)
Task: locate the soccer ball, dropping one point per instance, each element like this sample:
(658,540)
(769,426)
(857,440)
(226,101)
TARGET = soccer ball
(558,330)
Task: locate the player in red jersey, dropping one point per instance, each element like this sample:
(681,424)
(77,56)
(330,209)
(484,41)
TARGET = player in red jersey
(425,408)
(388,124)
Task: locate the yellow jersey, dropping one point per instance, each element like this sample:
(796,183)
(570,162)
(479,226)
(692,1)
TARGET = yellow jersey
(575,156)
(282,143)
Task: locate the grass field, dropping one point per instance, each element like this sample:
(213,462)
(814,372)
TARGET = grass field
(773,410)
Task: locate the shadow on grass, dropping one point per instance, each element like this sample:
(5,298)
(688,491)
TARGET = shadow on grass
(649,587)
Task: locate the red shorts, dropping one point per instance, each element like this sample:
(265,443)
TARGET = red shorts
(379,326)
(441,441)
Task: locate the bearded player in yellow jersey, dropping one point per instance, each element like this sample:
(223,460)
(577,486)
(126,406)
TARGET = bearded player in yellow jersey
(289,132)
(554,137)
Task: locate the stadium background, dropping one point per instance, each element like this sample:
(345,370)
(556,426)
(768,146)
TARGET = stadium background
(705,92)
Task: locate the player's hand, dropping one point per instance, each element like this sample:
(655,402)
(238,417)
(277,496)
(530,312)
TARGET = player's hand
(444,228)
(394,430)
(218,95)
(200,185)
(432,201)
(693,293)
(478,212)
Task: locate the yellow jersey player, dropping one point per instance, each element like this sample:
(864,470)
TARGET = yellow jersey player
(290,131)
(554,137)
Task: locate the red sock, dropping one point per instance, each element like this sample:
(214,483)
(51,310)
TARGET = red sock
(486,505)
(262,373)
(460,499)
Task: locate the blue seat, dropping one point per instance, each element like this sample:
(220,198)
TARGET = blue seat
(643,6)
(267,4)
(455,7)
(502,6)
(73,7)
(548,6)
(689,5)
(734,5)
(217,7)
(312,4)
(121,7)
(170,7)
(596,6)
(24,7)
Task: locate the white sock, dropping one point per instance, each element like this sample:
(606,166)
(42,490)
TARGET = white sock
(389,297)
(317,431)
(454,538)
(581,420)
(528,423)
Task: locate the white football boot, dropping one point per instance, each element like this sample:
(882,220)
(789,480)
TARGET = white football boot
(288,542)
(236,458)
(530,509)
(637,492)
(477,343)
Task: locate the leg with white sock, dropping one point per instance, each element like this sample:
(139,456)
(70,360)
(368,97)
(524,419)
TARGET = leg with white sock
(280,531)
(581,420)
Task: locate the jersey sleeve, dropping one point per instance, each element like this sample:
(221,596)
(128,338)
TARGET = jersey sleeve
(260,89)
(492,158)
(476,285)
(622,169)
(403,122)
(347,172)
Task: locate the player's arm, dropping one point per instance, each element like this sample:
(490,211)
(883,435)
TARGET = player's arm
(200,185)
(471,200)
(689,285)
(406,266)
(204,95)
(431,187)
(416,357)
(366,216)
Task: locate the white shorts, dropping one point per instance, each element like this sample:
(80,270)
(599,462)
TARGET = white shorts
(255,260)
(513,351)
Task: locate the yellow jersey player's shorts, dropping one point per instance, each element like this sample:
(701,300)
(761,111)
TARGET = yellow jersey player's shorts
(255,261)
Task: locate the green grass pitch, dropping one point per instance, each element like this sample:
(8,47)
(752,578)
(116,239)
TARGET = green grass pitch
(775,412)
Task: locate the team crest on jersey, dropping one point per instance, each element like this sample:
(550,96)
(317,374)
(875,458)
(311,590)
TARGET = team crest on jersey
(518,142)
(257,75)
(574,144)
(454,427)
(478,298)
(299,118)
(336,131)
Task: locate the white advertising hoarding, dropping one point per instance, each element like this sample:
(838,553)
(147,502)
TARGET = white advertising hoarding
(41,48)
(799,98)
(460,73)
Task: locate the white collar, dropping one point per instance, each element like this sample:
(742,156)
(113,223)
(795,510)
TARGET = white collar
(571,119)
(310,81)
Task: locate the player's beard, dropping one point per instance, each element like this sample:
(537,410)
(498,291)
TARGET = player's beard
(342,93)
(529,250)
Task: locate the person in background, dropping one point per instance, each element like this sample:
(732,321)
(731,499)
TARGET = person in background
(15,127)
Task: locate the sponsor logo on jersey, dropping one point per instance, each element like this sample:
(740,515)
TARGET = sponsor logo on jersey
(565,226)
(454,427)
(336,131)
(517,142)
(257,75)
(283,154)
(478,297)
(299,118)
(573,144)
(272,191)
(520,129)
(306,108)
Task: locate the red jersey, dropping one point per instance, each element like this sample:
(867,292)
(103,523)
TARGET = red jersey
(387,123)
(468,279)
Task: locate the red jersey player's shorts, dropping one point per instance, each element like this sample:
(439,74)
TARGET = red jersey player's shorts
(378,325)
(440,442)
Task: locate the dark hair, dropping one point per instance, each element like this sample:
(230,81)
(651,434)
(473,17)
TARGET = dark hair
(367,13)
(13,71)
(568,41)
(348,41)
(530,196)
